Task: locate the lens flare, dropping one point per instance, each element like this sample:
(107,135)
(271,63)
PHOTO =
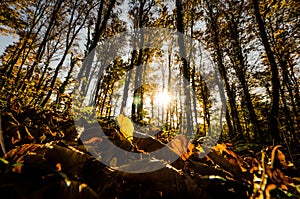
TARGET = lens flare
(162,98)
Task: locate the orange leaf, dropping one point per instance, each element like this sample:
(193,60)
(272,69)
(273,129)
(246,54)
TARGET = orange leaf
(180,146)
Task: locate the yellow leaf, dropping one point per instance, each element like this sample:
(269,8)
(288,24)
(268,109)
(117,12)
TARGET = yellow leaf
(220,148)
(82,186)
(126,126)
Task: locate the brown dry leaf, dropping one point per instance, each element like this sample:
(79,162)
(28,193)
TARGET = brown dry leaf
(188,153)
(255,165)
(230,156)
(268,189)
(48,131)
(58,166)
(284,187)
(70,159)
(232,160)
(9,117)
(28,135)
(93,141)
(19,152)
(17,138)
(180,146)
(279,178)
(13,131)
(281,158)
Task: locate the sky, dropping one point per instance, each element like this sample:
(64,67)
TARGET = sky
(5,41)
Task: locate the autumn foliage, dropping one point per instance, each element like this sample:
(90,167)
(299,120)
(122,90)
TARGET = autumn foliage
(231,66)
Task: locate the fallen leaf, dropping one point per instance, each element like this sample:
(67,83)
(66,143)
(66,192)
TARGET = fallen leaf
(93,141)
(126,127)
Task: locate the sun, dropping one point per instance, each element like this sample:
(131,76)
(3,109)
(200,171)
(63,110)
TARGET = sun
(162,98)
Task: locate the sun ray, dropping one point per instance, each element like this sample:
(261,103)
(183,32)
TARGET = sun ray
(162,98)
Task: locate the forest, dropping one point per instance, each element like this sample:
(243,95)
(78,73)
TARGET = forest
(150,99)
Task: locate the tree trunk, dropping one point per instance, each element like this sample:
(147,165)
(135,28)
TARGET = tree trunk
(99,28)
(273,117)
(185,67)
(41,48)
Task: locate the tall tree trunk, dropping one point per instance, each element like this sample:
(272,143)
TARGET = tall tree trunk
(137,108)
(63,86)
(169,107)
(85,70)
(126,88)
(223,73)
(38,14)
(224,101)
(136,112)
(185,67)
(42,46)
(273,116)
(239,66)
(70,38)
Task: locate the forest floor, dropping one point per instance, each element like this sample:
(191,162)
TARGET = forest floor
(43,158)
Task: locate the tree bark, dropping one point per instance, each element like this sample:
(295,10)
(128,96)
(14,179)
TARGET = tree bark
(223,73)
(273,116)
(185,67)
(99,28)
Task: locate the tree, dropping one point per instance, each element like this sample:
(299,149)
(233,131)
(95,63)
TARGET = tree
(185,64)
(281,20)
(234,39)
(273,117)
(79,13)
(41,50)
(103,15)
(213,14)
